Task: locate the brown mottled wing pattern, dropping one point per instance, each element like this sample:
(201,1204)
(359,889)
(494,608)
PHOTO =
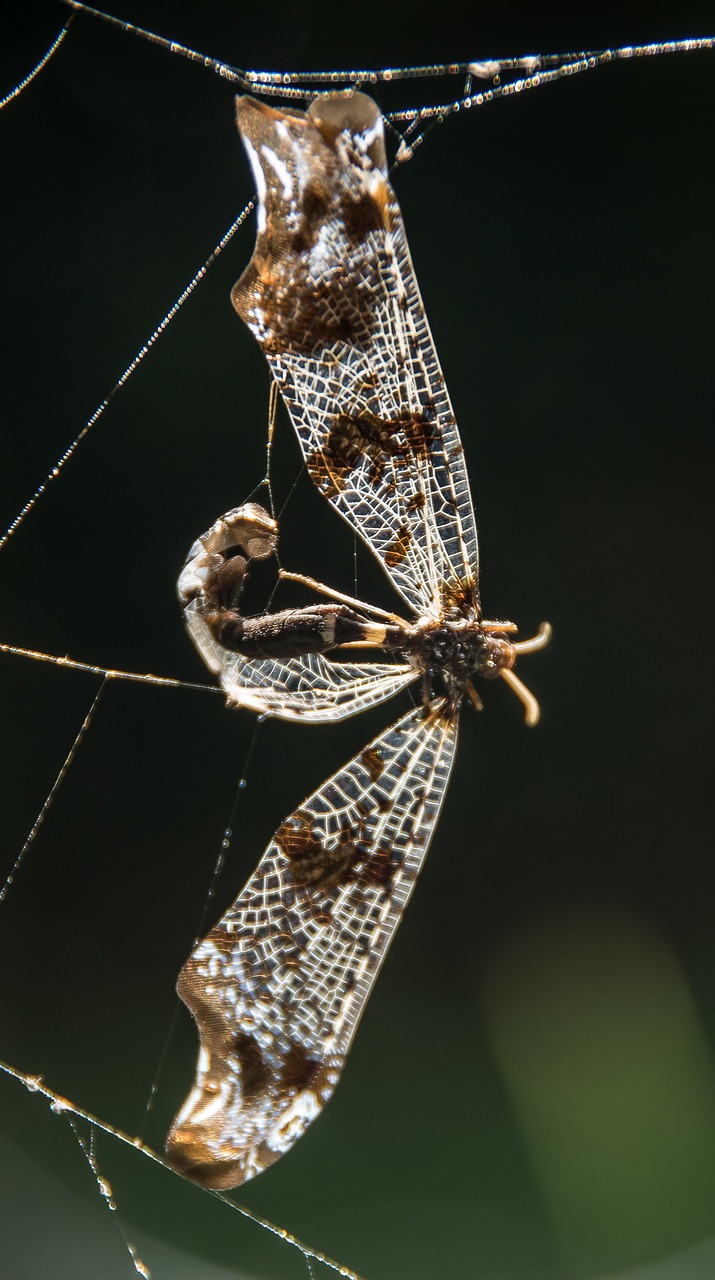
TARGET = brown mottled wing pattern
(278,986)
(331,296)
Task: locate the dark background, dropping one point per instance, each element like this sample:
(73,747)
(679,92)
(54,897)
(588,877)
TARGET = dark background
(532,1092)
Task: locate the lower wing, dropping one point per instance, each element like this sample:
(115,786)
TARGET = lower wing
(279,985)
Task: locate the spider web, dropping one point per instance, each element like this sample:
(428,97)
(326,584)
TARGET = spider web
(128,172)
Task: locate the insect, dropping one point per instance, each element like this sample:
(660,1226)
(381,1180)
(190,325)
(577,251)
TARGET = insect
(669,163)
(277,988)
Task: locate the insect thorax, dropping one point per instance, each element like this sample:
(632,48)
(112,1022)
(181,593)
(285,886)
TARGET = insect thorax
(458,650)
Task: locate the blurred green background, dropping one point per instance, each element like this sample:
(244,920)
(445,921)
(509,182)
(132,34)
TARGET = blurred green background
(532,1092)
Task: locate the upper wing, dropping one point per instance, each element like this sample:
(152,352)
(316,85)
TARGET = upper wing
(277,988)
(331,296)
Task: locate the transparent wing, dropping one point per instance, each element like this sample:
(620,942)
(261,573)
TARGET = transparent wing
(309,688)
(278,987)
(331,296)
(301,687)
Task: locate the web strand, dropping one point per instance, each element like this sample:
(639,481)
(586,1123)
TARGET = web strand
(40,66)
(219,863)
(63,1107)
(83,729)
(288,83)
(107,1194)
(122,381)
(109,672)
(107,675)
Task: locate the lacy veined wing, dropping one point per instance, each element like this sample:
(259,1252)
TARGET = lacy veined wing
(330,294)
(288,685)
(278,986)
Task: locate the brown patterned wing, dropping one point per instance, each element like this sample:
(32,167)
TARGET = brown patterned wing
(331,296)
(278,986)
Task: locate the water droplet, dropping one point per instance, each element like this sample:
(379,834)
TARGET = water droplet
(106,1190)
(139,1266)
